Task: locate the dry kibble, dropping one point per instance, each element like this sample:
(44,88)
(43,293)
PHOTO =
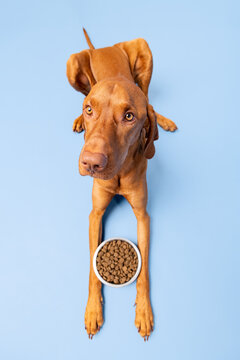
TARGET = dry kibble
(117,262)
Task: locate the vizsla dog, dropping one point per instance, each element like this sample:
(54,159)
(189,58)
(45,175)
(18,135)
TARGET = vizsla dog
(120,128)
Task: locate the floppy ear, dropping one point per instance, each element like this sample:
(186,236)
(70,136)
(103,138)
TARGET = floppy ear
(79,72)
(151,132)
(140,61)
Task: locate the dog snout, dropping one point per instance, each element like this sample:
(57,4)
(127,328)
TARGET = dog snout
(93,162)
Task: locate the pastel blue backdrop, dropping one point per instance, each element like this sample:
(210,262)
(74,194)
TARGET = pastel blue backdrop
(193,183)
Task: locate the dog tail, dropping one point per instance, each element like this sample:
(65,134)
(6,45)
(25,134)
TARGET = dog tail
(88,39)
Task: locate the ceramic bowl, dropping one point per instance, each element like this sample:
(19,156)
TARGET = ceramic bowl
(95,263)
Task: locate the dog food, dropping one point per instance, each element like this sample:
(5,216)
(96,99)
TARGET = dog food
(117,262)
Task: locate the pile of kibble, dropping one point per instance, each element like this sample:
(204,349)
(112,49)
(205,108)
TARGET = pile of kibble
(117,262)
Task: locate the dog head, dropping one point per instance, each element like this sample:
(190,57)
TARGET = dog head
(116,115)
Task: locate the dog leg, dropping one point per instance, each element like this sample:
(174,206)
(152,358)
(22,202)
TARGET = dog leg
(93,314)
(165,123)
(144,316)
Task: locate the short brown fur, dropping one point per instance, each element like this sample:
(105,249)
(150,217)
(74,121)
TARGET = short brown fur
(108,77)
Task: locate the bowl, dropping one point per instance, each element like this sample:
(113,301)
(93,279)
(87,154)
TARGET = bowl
(134,276)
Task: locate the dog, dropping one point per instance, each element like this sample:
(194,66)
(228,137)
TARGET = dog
(120,129)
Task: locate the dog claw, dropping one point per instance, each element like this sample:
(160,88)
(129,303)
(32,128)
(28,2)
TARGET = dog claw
(135,304)
(147,337)
(138,329)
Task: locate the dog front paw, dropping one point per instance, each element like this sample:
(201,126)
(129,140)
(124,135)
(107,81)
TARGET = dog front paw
(93,315)
(144,317)
(169,125)
(165,123)
(78,125)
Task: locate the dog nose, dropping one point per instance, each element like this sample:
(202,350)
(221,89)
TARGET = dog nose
(93,162)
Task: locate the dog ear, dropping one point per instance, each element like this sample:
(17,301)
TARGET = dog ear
(151,131)
(140,60)
(79,72)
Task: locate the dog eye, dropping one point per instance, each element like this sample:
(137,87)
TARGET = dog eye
(89,110)
(129,116)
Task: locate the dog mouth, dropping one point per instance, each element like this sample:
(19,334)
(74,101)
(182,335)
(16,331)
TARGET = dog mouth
(97,175)
(101,176)
(95,172)
(106,173)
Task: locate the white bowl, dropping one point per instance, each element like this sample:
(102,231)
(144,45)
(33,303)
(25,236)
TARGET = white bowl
(95,263)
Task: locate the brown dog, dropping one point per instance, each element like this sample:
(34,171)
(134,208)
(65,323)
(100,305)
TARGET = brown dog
(120,128)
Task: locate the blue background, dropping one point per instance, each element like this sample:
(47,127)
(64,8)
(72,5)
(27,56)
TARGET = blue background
(193,183)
